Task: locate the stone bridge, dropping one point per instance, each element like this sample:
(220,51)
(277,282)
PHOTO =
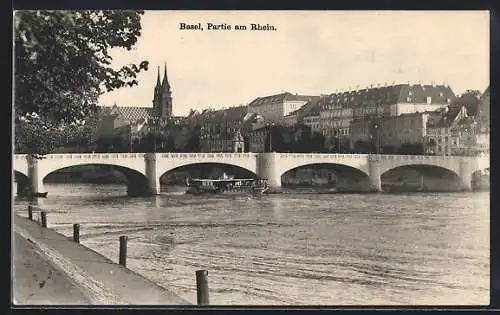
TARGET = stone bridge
(143,170)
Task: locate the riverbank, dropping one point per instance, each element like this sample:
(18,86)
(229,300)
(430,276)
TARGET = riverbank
(37,282)
(99,280)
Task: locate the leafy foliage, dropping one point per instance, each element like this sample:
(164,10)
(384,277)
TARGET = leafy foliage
(38,137)
(469,99)
(411,148)
(62,65)
(364,147)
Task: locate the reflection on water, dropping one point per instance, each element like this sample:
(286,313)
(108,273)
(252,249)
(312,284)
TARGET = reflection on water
(348,249)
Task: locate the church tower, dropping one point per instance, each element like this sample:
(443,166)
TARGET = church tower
(157,94)
(162,102)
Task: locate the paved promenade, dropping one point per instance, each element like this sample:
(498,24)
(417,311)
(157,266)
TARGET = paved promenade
(39,283)
(82,276)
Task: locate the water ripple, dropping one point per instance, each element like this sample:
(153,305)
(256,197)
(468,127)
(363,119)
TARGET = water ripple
(291,249)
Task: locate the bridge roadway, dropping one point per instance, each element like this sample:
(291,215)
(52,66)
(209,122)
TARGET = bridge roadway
(143,170)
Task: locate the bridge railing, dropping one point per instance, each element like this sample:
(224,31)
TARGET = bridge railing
(208,155)
(246,155)
(321,155)
(95,156)
(370,156)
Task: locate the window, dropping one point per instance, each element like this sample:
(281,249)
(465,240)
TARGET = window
(408,99)
(409,93)
(429,99)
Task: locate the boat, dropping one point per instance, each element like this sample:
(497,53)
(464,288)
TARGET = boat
(226,185)
(39,195)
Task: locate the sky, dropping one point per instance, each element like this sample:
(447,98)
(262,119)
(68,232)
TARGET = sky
(309,53)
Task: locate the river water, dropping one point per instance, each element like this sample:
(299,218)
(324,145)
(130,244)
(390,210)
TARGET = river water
(290,249)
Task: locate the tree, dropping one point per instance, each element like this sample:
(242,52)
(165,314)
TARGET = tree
(364,146)
(469,99)
(416,148)
(62,66)
(388,149)
(275,141)
(302,139)
(317,142)
(193,143)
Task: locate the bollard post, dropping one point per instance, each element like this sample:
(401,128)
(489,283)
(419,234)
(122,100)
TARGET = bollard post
(44,219)
(123,251)
(30,213)
(76,232)
(202,287)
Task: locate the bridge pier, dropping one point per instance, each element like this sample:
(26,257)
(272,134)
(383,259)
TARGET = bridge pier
(375,178)
(267,168)
(36,181)
(465,174)
(153,179)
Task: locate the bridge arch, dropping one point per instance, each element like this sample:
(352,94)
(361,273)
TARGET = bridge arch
(137,183)
(480,179)
(191,166)
(346,177)
(21,183)
(54,162)
(389,162)
(289,161)
(20,164)
(422,177)
(171,161)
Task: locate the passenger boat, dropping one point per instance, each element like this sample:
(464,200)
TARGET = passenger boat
(226,185)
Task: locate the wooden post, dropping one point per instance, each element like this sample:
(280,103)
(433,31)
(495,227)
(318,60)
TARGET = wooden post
(30,213)
(202,287)
(123,251)
(44,219)
(76,232)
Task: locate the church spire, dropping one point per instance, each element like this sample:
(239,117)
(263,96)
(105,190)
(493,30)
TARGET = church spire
(165,85)
(158,84)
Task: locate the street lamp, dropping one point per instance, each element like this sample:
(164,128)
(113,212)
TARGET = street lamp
(337,133)
(154,123)
(377,138)
(270,126)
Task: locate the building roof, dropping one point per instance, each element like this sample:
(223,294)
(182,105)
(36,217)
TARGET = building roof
(311,108)
(237,113)
(282,97)
(483,110)
(450,116)
(466,121)
(393,94)
(132,113)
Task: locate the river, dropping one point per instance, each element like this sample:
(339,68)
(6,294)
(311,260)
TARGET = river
(293,248)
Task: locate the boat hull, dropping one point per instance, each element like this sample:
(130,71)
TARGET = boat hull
(39,195)
(197,192)
(228,186)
